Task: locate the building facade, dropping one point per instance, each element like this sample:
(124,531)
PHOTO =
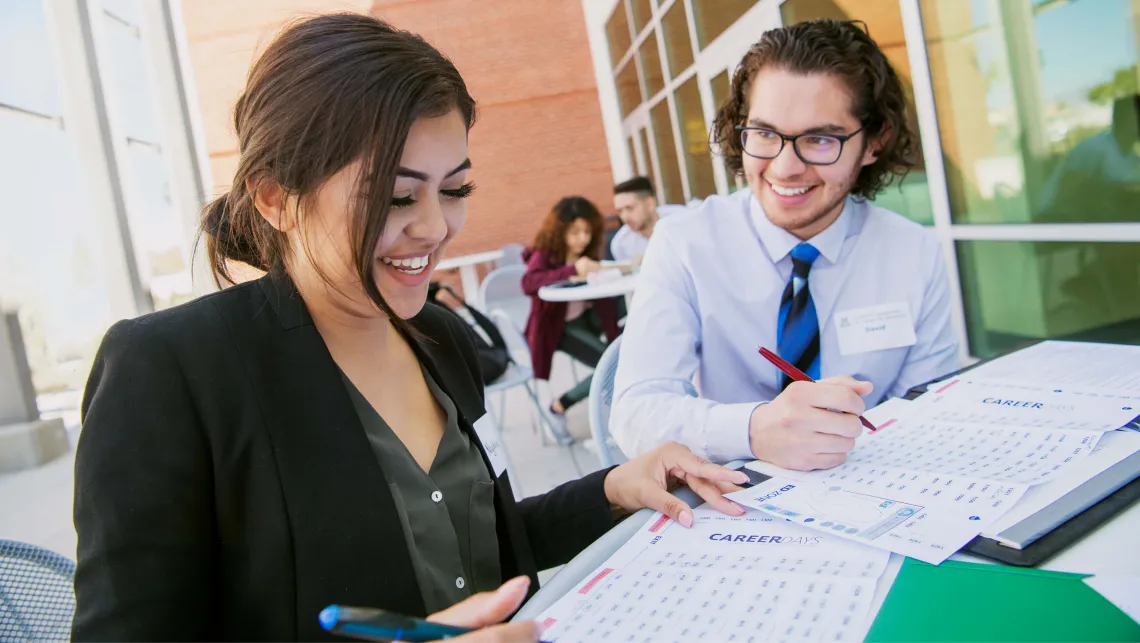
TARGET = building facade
(116,127)
(1028,113)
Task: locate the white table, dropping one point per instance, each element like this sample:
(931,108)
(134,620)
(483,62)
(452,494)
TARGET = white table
(468,277)
(623,285)
(1110,550)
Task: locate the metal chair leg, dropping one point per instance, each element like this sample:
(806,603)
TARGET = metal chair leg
(538,409)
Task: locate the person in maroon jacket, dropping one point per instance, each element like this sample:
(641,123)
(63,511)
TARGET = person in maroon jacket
(569,244)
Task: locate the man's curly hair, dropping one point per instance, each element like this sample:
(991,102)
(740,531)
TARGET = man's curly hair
(846,50)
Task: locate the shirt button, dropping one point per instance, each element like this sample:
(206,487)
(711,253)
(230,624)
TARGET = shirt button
(436,496)
(460,583)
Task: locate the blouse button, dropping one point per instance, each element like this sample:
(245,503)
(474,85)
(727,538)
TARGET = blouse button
(436,496)
(460,583)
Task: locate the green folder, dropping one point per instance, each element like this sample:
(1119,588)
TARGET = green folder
(975,602)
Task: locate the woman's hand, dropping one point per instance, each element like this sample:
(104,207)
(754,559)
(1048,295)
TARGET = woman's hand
(484,612)
(644,482)
(586,265)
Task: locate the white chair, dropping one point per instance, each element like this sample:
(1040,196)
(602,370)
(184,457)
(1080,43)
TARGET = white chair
(502,290)
(512,256)
(601,400)
(520,373)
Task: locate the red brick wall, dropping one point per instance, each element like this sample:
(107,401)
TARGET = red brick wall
(539,135)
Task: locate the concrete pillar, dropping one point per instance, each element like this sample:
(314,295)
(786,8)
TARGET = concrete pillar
(25,440)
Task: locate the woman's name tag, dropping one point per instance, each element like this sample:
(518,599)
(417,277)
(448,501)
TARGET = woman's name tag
(492,443)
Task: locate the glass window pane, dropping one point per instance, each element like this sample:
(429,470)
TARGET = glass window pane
(51,254)
(667,153)
(157,229)
(678,47)
(628,88)
(29,84)
(651,65)
(1018,291)
(911,197)
(649,169)
(617,34)
(721,88)
(125,10)
(642,13)
(695,139)
(633,157)
(130,80)
(1038,108)
(714,16)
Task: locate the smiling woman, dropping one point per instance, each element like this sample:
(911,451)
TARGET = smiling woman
(316,437)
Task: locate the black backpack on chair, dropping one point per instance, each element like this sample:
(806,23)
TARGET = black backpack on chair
(490,347)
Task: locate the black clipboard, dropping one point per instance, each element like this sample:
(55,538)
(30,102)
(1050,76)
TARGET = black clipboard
(1062,536)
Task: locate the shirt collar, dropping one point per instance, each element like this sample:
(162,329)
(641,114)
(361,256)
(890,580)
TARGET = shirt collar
(779,242)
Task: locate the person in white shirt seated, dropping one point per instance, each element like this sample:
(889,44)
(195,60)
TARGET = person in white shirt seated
(802,263)
(639,213)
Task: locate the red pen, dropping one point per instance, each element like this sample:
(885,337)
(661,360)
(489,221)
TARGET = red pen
(799,376)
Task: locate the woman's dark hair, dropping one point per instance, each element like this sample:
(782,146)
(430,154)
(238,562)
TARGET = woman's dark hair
(551,237)
(328,91)
(843,49)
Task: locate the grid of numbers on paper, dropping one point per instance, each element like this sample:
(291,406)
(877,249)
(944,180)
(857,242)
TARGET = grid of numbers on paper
(921,486)
(672,599)
(978,451)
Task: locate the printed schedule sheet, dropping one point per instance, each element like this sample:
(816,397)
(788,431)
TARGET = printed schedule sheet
(943,468)
(734,579)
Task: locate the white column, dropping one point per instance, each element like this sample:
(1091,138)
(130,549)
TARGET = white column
(935,167)
(596,13)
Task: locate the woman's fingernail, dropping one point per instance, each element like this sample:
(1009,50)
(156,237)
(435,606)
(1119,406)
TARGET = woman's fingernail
(517,583)
(686,519)
(740,507)
(741,477)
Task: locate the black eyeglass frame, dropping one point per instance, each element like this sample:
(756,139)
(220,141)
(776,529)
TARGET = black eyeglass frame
(785,139)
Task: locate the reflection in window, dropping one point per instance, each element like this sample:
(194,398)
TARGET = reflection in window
(678,47)
(911,197)
(666,153)
(651,65)
(642,12)
(628,88)
(712,17)
(617,33)
(1037,107)
(695,139)
(1018,291)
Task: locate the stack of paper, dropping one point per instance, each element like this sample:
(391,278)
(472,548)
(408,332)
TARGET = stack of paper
(752,578)
(951,464)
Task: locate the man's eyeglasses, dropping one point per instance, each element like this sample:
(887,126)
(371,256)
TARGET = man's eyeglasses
(813,149)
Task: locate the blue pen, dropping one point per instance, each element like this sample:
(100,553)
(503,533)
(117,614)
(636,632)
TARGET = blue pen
(377,625)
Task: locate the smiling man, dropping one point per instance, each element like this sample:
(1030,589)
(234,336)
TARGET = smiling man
(802,263)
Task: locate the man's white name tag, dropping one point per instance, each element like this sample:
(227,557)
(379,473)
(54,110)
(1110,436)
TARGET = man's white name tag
(492,444)
(874,328)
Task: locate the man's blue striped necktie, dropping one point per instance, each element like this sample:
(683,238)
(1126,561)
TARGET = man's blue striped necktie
(797,331)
